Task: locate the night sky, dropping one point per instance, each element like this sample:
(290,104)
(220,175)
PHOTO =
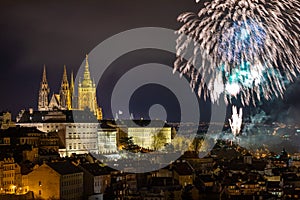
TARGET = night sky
(34,33)
(54,33)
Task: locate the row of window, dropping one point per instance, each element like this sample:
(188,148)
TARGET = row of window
(71,191)
(82,146)
(71,126)
(49,143)
(72,182)
(7,175)
(10,182)
(29,141)
(149,129)
(98,183)
(72,176)
(83,126)
(81,135)
(9,190)
(7,141)
(53,126)
(9,167)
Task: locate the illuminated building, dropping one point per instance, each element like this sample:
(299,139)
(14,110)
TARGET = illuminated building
(107,138)
(29,143)
(43,102)
(56,180)
(21,136)
(87,92)
(96,179)
(76,129)
(146,134)
(295,160)
(10,176)
(5,120)
(67,99)
(183,172)
(248,158)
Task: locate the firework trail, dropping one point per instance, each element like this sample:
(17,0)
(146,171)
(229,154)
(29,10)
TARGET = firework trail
(247,48)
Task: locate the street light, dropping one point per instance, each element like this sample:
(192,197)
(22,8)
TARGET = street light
(14,188)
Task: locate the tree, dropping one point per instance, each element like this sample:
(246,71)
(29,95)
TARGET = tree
(181,143)
(128,144)
(170,148)
(196,144)
(159,140)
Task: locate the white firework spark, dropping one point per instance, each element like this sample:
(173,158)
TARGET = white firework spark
(236,121)
(247,48)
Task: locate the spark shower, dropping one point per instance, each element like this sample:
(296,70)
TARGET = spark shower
(252,47)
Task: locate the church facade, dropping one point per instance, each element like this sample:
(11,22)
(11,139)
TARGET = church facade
(67,98)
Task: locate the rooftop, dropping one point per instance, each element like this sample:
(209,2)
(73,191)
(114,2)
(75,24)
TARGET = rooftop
(183,168)
(64,168)
(19,131)
(95,169)
(62,116)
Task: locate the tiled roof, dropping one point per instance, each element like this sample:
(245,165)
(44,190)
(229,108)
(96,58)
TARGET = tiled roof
(183,168)
(64,168)
(95,169)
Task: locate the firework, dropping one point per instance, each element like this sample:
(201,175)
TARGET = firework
(247,48)
(236,121)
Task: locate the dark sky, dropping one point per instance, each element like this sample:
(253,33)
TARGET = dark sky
(34,33)
(55,33)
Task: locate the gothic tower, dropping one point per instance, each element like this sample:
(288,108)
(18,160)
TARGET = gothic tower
(65,96)
(44,93)
(87,92)
(72,91)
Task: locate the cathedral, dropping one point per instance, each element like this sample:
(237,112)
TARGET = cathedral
(67,99)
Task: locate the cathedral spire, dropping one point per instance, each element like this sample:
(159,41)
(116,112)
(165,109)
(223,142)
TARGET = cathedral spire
(64,83)
(72,87)
(72,91)
(44,80)
(65,77)
(86,75)
(87,92)
(65,99)
(44,92)
(87,62)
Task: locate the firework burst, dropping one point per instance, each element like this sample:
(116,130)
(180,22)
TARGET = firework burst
(247,48)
